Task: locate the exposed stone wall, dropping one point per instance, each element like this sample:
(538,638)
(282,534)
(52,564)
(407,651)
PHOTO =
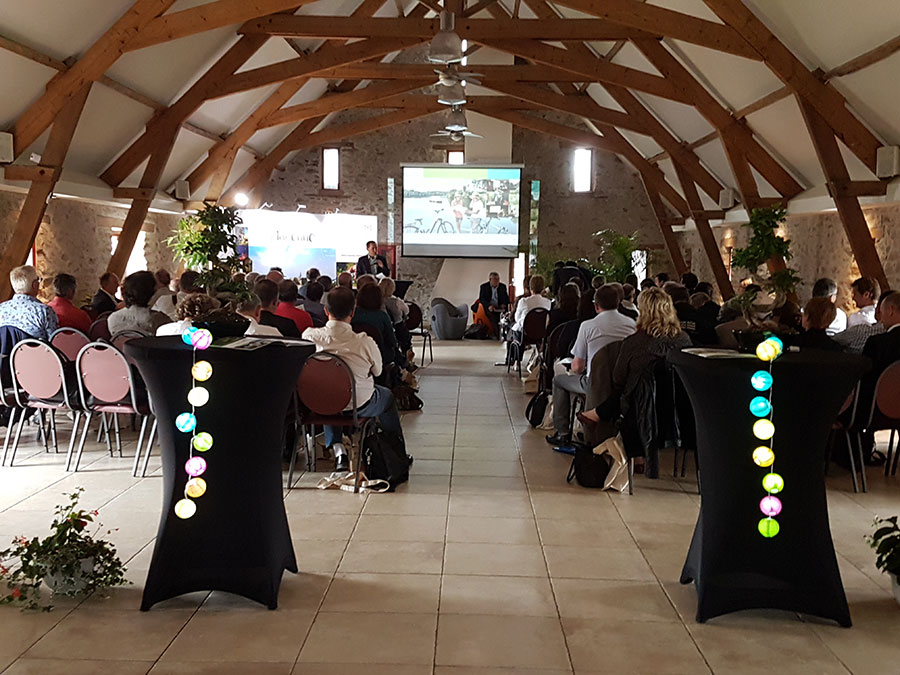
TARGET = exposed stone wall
(75,238)
(819,246)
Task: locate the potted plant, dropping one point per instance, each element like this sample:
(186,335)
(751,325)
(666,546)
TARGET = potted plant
(886,542)
(69,561)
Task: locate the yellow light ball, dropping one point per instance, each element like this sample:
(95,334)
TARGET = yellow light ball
(198,396)
(763,456)
(203,441)
(196,487)
(766,351)
(202,371)
(763,429)
(185,508)
(773,483)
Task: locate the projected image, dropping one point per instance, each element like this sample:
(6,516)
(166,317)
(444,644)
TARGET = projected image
(461,211)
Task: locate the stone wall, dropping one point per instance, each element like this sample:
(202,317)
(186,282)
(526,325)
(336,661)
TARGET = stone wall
(75,238)
(819,246)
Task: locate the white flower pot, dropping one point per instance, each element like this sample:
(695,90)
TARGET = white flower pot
(895,585)
(57,584)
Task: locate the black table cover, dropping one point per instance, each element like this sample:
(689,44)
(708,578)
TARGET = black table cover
(238,540)
(733,566)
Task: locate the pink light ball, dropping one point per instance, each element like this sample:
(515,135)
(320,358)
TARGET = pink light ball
(195,466)
(201,339)
(770,506)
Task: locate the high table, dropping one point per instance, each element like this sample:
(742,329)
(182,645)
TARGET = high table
(238,540)
(732,565)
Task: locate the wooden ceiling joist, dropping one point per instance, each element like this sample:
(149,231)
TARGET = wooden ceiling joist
(665,228)
(492,73)
(96,60)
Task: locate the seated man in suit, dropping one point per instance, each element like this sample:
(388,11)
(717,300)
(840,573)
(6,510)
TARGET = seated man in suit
(494,299)
(105,299)
(372,262)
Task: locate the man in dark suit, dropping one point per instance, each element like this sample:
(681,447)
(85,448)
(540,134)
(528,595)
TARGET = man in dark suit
(267,290)
(494,297)
(882,350)
(563,274)
(105,299)
(372,262)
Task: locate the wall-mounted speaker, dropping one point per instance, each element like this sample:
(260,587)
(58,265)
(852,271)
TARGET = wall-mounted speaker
(182,189)
(887,161)
(6,147)
(727,198)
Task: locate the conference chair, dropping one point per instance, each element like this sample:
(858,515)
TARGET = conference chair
(415,324)
(69,341)
(534,330)
(885,412)
(844,424)
(99,330)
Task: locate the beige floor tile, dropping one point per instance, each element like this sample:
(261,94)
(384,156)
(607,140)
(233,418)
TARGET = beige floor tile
(321,526)
(595,533)
(491,530)
(406,505)
(597,563)
(390,557)
(632,647)
(76,667)
(335,502)
(371,638)
(613,600)
(430,467)
(481,453)
(426,485)
(463,467)
(85,634)
(407,593)
(166,667)
(317,556)
(360,669)
(443,453)
(509,596)
(487,484)
(494,560)
(301,591)
(568,505)
(400,528)
(469,640)
(465,670)
(258,635)
(490,506)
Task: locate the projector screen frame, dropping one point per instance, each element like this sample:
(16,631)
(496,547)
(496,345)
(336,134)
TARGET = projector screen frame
(467,165)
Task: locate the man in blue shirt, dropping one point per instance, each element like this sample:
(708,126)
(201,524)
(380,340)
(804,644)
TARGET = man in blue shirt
(25,311)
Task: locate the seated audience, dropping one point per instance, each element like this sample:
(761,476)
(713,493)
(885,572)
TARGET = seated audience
(826,288)
(287,307)
(706,313)
(396,308)
(361,354)
(164,300)
(24,311)
(239,277)
(251,309)
(586,305)
(565,308)
(195,306)
(275,274)
(647,283)
(326,282)
(251,278)
(789,316)
(627,307)
(706,287)
(681,300)
(370,312)
(608,326)
(494,300)
(312,274)
(345,279)
(661,279)
(105,299)
(854,338)
(865,294)
(690,281)
(818,315)
(188,284)
(364,280)
(267,292)
(313,303)
(535,300)
(137,290)
(563,273)
(68,314)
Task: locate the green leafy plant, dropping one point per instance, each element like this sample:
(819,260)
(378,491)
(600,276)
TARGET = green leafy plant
(765,245)
(70,558)
(614,261)
(886,542)
(207,242)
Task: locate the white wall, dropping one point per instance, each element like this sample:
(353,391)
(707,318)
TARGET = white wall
(460,278)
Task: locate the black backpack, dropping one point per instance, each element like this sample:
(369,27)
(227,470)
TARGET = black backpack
(588,469)
(386,458)
(406,397)
(537,408)
(477,331)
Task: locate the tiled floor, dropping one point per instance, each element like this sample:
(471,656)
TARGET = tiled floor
(486,562)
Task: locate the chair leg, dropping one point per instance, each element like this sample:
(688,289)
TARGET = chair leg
(890,453)
(118,436)
(81,442)
(53,431)
(852,459)
(42,425)
(430,351)
(311,448)
(862,467)
(101,427)
(72,439)
(149,449)
(12,457)
(294,451)
(631,475)
(140,445)
(9,431)
(896,457)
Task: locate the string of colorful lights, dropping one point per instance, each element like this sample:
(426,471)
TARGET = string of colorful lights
(186,422)
(764,429)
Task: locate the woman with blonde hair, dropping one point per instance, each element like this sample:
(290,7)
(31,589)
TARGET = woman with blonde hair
(396,308)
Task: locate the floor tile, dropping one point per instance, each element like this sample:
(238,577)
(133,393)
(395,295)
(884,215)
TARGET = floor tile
(409,593)
(401,528)
(613,600)
(490,506)
(77,667)
(597,563)
(491,530)
(393,557)
(509,596)
(473,640)
(494,560)
(167,667)
(371,638)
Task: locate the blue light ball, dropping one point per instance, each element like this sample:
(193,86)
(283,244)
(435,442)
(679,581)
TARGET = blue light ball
(760,406)
(186,335)
(186,422)
(761,380)
(777,341)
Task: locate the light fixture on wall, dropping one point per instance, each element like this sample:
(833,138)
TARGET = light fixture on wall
(241,199)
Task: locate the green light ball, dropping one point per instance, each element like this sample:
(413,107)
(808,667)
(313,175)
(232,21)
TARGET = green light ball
(203,441)
(768,527)
(773,483)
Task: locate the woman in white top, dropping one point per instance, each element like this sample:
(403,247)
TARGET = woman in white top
(533,301)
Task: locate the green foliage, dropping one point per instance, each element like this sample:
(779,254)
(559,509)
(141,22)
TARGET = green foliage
(614,259)
(207,242)
(765,244)
(886,542)
(61,554)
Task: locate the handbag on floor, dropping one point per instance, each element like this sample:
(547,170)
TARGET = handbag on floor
(406,397)
(537,408)
(589,468)
(384,454)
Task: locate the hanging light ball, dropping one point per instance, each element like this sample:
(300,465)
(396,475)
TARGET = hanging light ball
(198,396)
(202,371)
(769,505)
(196,487)
(768,527)
(762,456)
(777,342)
(186,422)
(195,466)
(760,380)
(766,351)
(759,406)
(763,429)
(203,442)
(201,338)
(772,483)
(185,508)
(186,335)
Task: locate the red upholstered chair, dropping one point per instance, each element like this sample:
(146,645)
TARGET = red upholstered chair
(99,330)
(325,389)
(844,425)
(415,324)
(885,413)
(106,384)
(69,341)
(534,330)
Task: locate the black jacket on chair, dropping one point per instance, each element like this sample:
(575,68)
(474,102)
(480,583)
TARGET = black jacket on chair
(486,293)
(381,266)
(101,302)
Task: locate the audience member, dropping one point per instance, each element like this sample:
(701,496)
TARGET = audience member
(826,288)
(164,300)
(818,315)
(312,274)
(534,301)
(370,312)
(706,315)
(345,279)
(105,299)
(396,308)
(188,284)
(267,292)
(195,306)
(239,277)
(865,294)
(494,300)
(364,280)
(251,278)
(250,308)
(706,287)
(287,307)
(24,311)
(587,309)
(563,273)
(854,339)
(137,290)
(632,279)
(627,307)
(596,282)
(313,303)
(690,281)
(275,274)
(361,354)
(326,282)
(681,300)
(565,308)
(608,326)
(68,314)
(789,316)
(645,284)
(661,279)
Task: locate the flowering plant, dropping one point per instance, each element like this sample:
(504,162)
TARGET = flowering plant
(70,558)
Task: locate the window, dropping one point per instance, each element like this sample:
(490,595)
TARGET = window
(331,169)
(137,260)
(639,262)
(582,170)
(456,157)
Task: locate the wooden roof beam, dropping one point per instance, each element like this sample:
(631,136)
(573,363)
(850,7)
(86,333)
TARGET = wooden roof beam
(406,71)
(665,228)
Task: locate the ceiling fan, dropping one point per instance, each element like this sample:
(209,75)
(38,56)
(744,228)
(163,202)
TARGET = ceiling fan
(457,126)
(446,45)
(451,75)
(456,136)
